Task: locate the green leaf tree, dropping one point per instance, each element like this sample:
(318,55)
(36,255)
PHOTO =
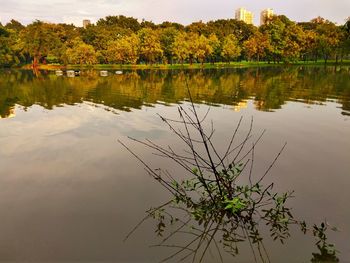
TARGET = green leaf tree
(180,48)
(81,53)
(215,44)
(257,46)
(203,49)
(328,37)
(39,39)
(230,48)
(124,50)
(7,57)
(286,38)
(150,47)
(167,39)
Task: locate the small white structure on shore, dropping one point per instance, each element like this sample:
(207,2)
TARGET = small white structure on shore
(103,73)
(59,73)
(70,73)
(119,72)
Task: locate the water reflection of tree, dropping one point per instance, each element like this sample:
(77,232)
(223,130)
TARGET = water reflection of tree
(270,88)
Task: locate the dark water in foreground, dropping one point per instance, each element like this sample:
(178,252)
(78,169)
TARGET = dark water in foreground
(70,192)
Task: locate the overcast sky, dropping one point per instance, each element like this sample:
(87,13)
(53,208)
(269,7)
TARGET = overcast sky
(182,11)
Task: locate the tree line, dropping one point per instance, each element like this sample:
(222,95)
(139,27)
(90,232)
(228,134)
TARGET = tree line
(124,40)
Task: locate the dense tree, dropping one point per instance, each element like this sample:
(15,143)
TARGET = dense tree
(148,24)
(276,30)
(81,53)
(168,24)
(124,50)
(121,22)
(328,37)
(167,39)
(150,47)
(100,35)
(257,46)
(116,51)
(347,25)
(230,48)
(199,47)
(345,41)
(308,47)
(192,43)
(204,49)
(215,44)
(3,32)
(224,27)
(7,57)
(286,37)
(15,25)
(180,47)
(39,39)
(295,42)
(198,28)
(121,39)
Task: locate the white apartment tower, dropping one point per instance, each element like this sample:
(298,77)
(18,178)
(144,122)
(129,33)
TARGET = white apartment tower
(265,15)
(244,15)
(86,23)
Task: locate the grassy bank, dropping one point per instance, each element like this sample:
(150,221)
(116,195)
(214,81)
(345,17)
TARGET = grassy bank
(241,64)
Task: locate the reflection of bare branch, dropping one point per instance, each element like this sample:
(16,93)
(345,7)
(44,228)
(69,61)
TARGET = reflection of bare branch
(273,163)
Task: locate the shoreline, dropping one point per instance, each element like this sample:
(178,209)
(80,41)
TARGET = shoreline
(219,65)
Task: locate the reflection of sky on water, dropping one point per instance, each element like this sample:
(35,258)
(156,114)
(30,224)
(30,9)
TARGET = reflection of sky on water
(68,190)
(70,123)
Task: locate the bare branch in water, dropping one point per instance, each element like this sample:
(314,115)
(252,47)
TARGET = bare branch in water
(217,206)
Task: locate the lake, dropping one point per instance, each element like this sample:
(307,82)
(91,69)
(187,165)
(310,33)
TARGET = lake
(69,192)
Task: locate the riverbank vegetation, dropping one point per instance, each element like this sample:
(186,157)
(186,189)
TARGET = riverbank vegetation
(120,40)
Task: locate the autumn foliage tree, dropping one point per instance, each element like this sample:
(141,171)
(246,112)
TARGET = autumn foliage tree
(257,46)
(39,39)
(215,44)
(81,53)
(328,37)
(120,39)
(6,54)
(203,48)
(124,50)
(180,47)
(167,39)
(150,47)
(230,48)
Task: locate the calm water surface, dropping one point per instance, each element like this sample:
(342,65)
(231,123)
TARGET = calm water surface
(69,192)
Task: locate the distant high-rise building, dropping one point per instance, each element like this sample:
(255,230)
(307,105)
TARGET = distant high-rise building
(86,23)
(265,16)
(244,15)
